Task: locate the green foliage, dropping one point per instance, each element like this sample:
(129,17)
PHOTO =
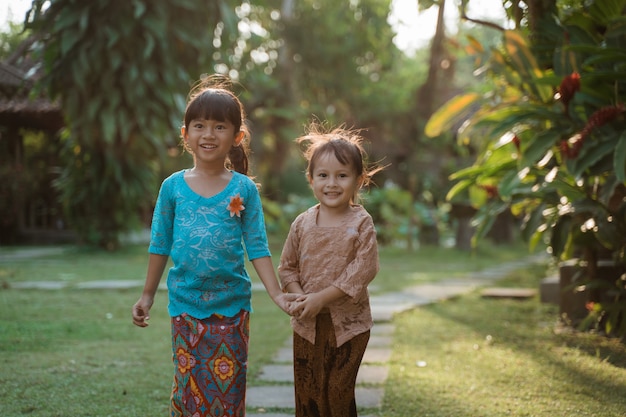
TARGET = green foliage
(554,149)
(399,219)
(10,39)
(120,70)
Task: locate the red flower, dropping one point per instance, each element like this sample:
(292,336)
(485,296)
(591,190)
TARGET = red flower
(571,148)
(236,206)
(601,117)
(568,88)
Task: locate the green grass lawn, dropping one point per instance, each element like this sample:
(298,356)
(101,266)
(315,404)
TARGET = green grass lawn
(501,357)
(76,353)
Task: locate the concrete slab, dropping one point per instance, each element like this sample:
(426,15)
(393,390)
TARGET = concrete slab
(282,396)
(270,397)
(441,291)
(550,290)
(87,285)
(284,355)
(28,253)
(383,329)
(379,341)
(373,354)
(277,373)
(38,285)
(376,355)
(372,374)
(262,413)
(110,284)
(515,293)
(368,374)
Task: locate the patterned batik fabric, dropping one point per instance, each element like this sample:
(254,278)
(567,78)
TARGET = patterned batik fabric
(210,364)
(324,374)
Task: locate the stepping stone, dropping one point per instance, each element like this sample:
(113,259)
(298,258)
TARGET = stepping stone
(443,290)
(368,374)
(372,374)
(110,284)
(277,373)
(263,414)
(373,354)
(383,329)
(376,355)
(516,293)
(270,397)
(284,355)
(283,397)
(38,285)
(379,341)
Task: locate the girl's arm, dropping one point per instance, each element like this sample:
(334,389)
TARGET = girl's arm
(294,287)
(141,309)
(364,267)
(265,270)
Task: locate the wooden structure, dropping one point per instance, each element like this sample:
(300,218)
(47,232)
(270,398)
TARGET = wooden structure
(29,210)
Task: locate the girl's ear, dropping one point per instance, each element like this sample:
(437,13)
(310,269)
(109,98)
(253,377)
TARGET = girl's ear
(239,138)
(183,133)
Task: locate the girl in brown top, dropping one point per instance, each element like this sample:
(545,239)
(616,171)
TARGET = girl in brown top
(329,257)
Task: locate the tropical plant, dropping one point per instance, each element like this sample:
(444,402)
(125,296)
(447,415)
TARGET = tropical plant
(120,71)
(553,140)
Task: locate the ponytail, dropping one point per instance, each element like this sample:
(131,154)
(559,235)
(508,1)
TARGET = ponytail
(238,158)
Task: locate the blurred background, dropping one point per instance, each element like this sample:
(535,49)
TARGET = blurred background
(92,97)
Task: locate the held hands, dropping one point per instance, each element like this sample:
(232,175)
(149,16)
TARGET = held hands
(285,300)
(307,306)
(141,311)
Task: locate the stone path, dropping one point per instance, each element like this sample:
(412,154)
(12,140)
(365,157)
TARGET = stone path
(277,394)
(373,371)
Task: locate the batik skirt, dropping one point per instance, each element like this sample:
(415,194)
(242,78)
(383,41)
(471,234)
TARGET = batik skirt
(324,374)
(210,364)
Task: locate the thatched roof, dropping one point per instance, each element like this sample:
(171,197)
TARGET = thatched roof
(18,109)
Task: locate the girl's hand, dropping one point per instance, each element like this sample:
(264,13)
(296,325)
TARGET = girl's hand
(285,301)
(308,306)
(141,312)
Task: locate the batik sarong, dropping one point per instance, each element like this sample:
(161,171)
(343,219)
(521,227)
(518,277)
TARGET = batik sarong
(210,364)
(324,374)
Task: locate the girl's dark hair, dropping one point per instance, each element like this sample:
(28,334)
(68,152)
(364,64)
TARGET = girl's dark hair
(212,98)
(345,144)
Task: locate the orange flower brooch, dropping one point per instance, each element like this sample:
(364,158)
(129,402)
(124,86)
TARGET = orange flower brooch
(236,206)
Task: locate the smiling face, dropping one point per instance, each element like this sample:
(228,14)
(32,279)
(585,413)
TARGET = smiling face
(210,140)
(334,184)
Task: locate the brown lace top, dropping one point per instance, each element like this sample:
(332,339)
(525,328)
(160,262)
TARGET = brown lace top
(345,256)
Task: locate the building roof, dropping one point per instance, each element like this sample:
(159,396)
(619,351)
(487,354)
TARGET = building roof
(17,108)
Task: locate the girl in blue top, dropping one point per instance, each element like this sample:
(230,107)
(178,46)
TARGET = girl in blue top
(203,218)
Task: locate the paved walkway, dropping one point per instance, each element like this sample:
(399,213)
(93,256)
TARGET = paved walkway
(278,392)
(373,371)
